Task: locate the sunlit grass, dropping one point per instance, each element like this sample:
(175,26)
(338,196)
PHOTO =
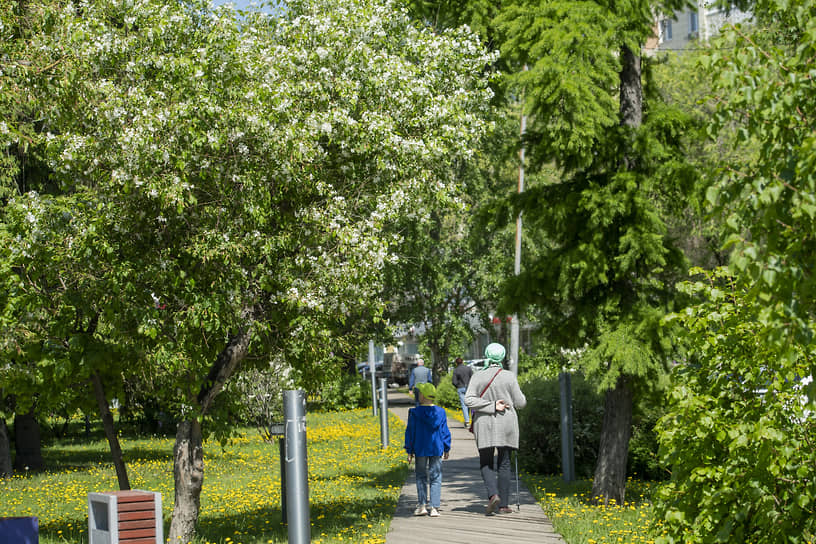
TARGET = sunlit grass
(580,522)
(353,483)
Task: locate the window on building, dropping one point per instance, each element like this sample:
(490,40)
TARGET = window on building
(666,29)
(693,21)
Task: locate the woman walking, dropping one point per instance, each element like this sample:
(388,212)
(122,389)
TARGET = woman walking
(494,395)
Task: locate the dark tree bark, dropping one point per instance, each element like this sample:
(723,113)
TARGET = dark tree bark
(188,452)
(5,450)
(631,89)
(110,432)
(610,473)
(27,443)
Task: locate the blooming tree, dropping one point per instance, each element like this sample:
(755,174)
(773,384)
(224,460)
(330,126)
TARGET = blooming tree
(231,179)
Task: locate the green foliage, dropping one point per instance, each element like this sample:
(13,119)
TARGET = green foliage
(539,423)
(446,394)
(606,260)
(767,202)
(346,392)
(737,437)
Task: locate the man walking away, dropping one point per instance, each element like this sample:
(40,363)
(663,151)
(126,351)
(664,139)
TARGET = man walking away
(420,374)
(461,379)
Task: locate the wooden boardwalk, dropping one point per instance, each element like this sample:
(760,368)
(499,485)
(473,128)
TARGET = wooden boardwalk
(462,518)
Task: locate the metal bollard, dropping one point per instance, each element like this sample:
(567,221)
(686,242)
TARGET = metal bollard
(297,474)
(384,412)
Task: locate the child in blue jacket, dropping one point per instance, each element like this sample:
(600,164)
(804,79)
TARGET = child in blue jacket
(427,438)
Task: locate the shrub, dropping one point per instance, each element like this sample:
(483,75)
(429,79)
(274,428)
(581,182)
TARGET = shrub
(540,443)
(737,436)
(644,460)
(446,394)
(346,392)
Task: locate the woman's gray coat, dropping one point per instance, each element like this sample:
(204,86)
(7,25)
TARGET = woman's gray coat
(492,428)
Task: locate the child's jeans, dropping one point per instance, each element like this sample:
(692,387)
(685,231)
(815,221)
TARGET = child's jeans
(429,469)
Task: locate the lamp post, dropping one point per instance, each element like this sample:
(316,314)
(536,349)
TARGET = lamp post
(514,320)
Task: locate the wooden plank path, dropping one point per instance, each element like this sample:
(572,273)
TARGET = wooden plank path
(462,518)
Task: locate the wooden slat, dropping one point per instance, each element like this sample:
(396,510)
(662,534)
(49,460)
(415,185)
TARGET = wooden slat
(133,516)
(135,506)
(137,524)
(138,541)
(137,533)
(131,496)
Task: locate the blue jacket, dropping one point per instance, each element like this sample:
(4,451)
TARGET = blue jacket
(427,433)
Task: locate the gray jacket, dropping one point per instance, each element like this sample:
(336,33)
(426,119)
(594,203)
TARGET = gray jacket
(495,429)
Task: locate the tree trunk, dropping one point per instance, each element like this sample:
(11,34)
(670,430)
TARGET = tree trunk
(610,473)
(188,473)
(110,432)
(440,354)
(188,452)
(631,89)
(5,450)
(27,443)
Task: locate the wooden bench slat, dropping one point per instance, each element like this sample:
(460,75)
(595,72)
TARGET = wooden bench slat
(136,524)
(134,506)
(133,516)
(128,496)
(137,533)
(138,541)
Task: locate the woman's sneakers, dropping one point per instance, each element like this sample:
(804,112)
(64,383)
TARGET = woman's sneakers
(492,505)
(434,513)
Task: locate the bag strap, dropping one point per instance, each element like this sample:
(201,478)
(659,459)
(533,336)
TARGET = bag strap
(488,383)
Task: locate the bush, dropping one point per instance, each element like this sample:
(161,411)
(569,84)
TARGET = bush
(446,394)
(347,392)
(737,435)
(539,422)
(540,443)
(644,460)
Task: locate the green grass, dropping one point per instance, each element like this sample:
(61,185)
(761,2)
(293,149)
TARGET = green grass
(353,483)
(580,522)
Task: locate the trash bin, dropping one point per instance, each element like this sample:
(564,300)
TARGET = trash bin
(22,530)
(126,517)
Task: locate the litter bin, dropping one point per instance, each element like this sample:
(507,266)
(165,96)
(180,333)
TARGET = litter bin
(125,517)
(22,530)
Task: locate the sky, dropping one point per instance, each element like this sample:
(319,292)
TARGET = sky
(239,4)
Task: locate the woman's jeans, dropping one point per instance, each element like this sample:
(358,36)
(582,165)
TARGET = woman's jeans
(497,480)
(465,409)
(429,468)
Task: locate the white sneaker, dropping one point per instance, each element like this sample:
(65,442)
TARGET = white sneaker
(434,513)
(421,510)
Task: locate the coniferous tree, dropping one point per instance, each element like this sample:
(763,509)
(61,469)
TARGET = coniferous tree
(608,263)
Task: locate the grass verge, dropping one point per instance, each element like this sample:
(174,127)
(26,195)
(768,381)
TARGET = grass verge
(353,483)
(580,522)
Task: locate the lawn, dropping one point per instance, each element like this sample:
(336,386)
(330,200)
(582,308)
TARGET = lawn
(580,522)
(353,483)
